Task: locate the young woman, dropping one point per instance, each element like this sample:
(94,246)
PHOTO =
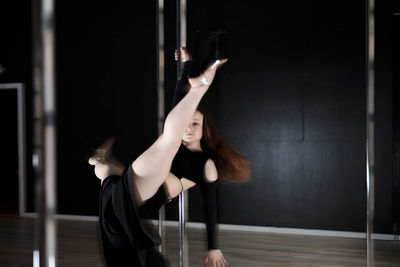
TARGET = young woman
(127,194)
(203,158)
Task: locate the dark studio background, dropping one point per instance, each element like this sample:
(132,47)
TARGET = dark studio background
(291,99)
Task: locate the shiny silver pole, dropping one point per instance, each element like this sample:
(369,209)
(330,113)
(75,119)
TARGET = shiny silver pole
(181,229)
(183,244)
(178,37)
(49,134)
(21,149)
(37,115)
(160,98)
(183,196)
(370,130)
(44,159)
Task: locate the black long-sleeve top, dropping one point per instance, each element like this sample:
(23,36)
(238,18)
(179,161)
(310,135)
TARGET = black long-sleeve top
(190,165)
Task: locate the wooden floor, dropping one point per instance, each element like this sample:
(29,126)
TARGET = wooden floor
(78,246)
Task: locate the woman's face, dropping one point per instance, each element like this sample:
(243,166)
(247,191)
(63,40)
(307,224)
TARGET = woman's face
(194,132)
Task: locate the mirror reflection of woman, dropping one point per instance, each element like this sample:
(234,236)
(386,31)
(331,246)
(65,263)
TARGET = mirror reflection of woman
(128,194)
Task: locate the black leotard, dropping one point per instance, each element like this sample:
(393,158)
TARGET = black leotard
(190,164)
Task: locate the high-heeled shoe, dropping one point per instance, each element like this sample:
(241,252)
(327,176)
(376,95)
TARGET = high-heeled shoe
(219,45)
(217,49)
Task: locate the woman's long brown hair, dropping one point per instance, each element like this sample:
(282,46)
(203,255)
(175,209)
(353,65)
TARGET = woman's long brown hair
(231,166)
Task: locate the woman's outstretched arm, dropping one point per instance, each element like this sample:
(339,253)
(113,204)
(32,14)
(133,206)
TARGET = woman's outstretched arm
(213,256)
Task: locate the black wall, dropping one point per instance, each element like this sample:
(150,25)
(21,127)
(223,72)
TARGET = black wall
(291,99)
(16,59)
(106,80)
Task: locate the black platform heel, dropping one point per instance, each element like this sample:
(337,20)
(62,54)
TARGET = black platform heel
(219,45)
(217,49)
(194,69)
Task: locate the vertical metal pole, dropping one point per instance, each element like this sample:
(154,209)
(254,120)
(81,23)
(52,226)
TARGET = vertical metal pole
(44,159)
(181,35)
(37,114)
(182,230)
(178,37)
(183,196)
(21,148)
(370,131)
(183,22)
(396,126)
(160,98)
(49,133)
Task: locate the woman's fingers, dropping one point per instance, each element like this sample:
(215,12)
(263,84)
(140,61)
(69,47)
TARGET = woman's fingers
(185,56)
(215,258)
(183,50)
(218,262)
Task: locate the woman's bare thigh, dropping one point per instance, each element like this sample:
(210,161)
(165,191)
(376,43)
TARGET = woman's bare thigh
(152,167)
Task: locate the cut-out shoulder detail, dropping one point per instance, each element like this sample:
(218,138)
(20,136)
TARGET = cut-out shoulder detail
(187,184)
(173,186)
(210,171)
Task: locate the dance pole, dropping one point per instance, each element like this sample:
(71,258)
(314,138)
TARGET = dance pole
(44,159)
(21,149)
(160,99)
(183,196)
(370,131)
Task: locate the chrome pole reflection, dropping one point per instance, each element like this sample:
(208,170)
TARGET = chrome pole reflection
(370,130)
(37,114)
(160,98)
(21,149)
(183,196)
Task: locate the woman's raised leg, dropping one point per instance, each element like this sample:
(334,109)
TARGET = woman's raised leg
(152,167)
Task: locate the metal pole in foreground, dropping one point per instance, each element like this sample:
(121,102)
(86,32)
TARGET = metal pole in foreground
(183,196)
(181,229)
(49,134)
(370,130)
(160,97)
(45,146)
